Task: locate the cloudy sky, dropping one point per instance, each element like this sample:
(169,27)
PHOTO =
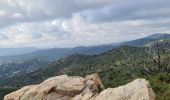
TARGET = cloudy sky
(69,23)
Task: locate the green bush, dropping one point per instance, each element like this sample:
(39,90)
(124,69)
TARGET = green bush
(160,86)
(4,91)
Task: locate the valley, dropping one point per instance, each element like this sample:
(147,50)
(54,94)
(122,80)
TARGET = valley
(109,61)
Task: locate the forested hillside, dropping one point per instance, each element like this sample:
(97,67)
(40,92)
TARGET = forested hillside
(115,67)
(78,64)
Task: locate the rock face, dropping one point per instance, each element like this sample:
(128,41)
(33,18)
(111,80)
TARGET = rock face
(139,89)
(77,88)
(59,88)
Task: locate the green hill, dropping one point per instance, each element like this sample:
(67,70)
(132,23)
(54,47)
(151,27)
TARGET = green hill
(112,66)
(140,42)
(106,64)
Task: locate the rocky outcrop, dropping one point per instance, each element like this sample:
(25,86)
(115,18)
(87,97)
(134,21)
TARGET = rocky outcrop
(77,88)
(139,89)
(59,88)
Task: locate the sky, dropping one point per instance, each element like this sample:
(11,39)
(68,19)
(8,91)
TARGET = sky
(70,23)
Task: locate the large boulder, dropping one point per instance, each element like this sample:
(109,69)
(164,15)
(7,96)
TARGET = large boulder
(139,89)
(58,88)
(77,88)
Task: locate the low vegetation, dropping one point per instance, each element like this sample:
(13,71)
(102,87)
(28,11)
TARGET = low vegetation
(155,67)
(6,90)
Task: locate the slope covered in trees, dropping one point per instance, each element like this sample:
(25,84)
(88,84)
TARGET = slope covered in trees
(115,67)
(112,67)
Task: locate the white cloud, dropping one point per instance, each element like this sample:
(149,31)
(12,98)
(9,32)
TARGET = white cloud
(2,13)
(67,23)
(42,10)
(17,15)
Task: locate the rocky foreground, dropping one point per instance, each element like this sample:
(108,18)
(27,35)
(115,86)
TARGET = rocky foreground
(77,88)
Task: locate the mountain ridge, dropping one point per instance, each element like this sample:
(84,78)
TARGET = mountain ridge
(57,53)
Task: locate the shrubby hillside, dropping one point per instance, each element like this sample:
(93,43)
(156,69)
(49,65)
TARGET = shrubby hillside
(115,67)
(111,66)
